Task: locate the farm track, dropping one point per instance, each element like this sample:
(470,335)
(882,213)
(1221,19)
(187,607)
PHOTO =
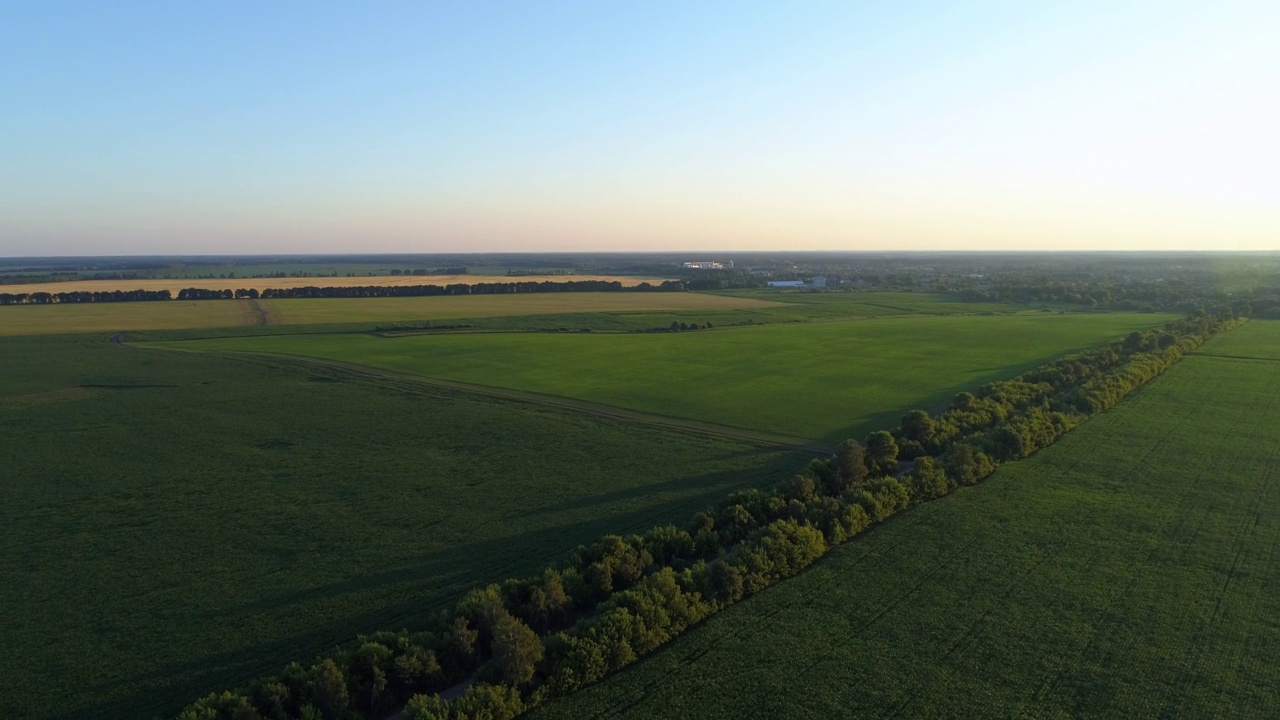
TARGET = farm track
(561,403)
(258,314)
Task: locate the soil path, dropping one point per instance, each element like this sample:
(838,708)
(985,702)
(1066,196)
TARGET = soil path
(260,314)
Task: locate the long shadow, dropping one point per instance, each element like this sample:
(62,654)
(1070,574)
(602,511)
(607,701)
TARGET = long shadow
(720,484)
(163,691)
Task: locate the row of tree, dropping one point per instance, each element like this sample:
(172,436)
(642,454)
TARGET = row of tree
(495,288)
(491,288)
(506,648)
(82,296)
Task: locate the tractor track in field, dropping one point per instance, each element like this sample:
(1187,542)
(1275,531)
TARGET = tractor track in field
(561,403)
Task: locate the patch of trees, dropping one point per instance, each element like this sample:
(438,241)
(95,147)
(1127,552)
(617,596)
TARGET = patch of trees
(423,327)
(508,647)
(494,288)
(201,294)
(677,326)
(82,296)
(437,271)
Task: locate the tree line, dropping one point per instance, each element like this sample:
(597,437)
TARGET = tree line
(364,291)
(508,647)
(83,296)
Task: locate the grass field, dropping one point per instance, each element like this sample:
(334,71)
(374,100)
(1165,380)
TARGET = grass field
(297,312)
(175,315)
(872,303)
(177,523)
(1128,571)
(812,380)
(177,284)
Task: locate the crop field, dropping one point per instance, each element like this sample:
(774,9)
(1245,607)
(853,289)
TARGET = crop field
(873,303)
(825,380)
(298,312)
(176,284)
(175,315)
(114,317)
(177,523)
(1128,571)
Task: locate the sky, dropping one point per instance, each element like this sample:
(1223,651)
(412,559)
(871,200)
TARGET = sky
(229,127)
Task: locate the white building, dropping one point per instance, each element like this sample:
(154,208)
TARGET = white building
(704,265)
(786,283)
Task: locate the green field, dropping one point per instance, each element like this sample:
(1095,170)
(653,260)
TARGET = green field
(821,380)
(175,315)
(297,312)
(1128,571)
(177,523)
(530,311)
(871,303)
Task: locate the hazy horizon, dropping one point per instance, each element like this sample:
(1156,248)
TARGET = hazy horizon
(234,129)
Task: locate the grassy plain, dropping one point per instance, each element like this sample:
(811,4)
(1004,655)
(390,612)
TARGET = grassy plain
(175,315)
(1128,571)
(822,380)
(177,523)
(176,284)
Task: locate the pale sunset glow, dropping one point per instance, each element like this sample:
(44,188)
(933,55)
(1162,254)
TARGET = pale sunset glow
(444,127)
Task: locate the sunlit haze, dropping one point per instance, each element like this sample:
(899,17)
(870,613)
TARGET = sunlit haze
(172,128)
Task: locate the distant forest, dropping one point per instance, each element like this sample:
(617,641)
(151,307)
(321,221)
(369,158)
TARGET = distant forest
(1248,284)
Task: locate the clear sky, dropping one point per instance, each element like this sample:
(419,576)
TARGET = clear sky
(227,127)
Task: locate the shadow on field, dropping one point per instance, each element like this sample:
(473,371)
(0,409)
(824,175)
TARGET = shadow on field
(165,691)
(721,483)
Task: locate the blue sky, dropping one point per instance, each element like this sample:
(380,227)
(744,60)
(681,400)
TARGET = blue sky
(434,127)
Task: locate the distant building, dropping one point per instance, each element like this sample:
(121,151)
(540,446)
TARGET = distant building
(786,283)
(818,281)
(705,265)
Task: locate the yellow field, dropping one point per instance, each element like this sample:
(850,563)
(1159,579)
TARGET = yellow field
(115,317)
(263,283)
(174,315)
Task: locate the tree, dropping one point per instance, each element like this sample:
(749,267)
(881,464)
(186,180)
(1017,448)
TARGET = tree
(416,667)
(492,702)
(462,643)
(928,480)
(516,649)
(882,453)
(726,581)
(918,426)
(369,667)
(966,466)
(330,689)
(850,465)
